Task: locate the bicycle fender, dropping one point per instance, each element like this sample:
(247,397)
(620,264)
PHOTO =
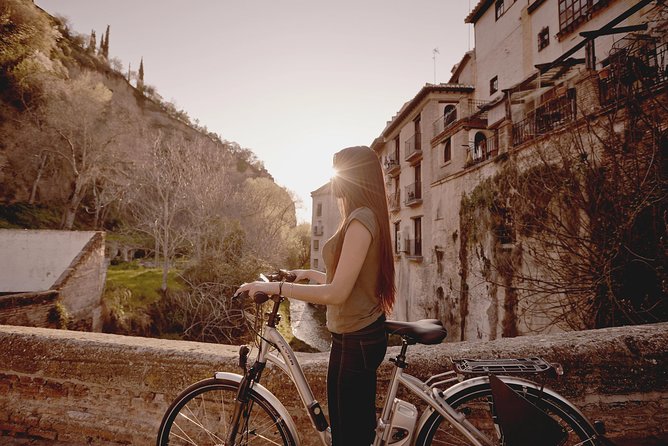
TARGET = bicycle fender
(267,395)
(511,380)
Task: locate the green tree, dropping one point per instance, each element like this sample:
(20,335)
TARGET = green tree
(92,42)
(140,75)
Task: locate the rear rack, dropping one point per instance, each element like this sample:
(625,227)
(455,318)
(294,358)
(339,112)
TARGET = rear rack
(501,366)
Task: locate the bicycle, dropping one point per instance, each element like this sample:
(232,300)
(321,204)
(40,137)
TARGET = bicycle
(488,410)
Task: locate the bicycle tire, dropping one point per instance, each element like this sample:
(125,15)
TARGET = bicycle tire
(474,402)
(198,416)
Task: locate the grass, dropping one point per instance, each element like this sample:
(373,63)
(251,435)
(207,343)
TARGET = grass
(23,215)
(143,284)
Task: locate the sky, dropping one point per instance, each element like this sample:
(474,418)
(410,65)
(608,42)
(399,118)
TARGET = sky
(292,80)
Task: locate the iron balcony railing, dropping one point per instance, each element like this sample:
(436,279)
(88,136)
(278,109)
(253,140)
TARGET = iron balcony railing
(484,150)
(413,146)
(547,117)
(637,64)
(413,194)
(466,108)
(318,230)
(393,201)
(391,163)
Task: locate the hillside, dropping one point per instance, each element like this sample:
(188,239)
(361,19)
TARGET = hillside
(56,89)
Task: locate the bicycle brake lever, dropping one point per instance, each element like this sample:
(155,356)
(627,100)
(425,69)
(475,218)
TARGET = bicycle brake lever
(242,295)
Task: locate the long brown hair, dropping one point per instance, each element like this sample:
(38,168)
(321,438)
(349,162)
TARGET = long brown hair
(359,182)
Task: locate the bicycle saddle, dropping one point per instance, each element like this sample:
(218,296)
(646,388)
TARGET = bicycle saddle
(425,331)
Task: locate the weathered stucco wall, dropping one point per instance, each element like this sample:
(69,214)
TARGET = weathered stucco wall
(34,260)
(64,272)
(76,388)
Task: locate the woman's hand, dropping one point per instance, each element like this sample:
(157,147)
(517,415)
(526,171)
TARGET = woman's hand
(301,274)
(269,288)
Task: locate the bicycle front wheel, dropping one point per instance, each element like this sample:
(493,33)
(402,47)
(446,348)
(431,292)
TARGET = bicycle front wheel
(475,402)
(201,415)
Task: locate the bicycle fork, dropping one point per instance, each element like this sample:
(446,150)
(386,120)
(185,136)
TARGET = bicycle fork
(241,409)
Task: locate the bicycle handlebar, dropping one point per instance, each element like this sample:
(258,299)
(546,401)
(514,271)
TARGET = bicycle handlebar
(280,275)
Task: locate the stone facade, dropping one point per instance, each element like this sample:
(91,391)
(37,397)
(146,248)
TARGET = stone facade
(468,130)
(63,388)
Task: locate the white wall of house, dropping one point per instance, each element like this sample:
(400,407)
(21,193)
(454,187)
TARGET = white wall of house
(325,220)
(34,260)
(499,49)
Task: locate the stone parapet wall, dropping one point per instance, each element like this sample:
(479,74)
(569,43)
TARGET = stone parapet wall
(68,387)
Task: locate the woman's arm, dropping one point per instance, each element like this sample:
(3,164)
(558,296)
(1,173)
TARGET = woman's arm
(353,253)
(309,274)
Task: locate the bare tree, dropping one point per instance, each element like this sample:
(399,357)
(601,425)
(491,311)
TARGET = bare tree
(579,220)
(157,201)
(82,133)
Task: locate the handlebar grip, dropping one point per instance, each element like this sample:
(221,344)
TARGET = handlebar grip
(260,297)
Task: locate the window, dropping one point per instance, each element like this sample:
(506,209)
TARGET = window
(501,6)
(397,237)
(573,12)
(447,150)
(493,85)
(396,147)
(449,114)
(315,263)
(417,237)
(318,210)
(418,134)
(316,245)
(499,9)
(543,38)
(417,170)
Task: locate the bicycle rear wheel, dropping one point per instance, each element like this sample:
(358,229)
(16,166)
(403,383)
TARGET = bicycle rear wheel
(201,415)
(475,402)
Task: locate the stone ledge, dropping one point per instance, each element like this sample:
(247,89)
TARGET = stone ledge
(72,387)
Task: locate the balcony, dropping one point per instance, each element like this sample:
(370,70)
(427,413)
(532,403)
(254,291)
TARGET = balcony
(413,194)
(549,116)
(391,164)
(318,230)
(413,248)
(465,109)
(482,151)
(394,201)
(637,65)
(413,147)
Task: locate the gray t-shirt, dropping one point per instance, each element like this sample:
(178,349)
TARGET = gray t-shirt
(362,306)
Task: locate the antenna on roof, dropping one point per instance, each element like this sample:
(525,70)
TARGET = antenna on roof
(433,56)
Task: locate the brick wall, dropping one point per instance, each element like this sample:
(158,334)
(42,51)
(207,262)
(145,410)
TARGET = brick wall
(65,387)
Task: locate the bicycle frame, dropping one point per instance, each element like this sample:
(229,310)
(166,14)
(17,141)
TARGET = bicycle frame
(289,364)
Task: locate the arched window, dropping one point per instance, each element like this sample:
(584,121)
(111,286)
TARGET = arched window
(447,150)
(449,114)
(479,146)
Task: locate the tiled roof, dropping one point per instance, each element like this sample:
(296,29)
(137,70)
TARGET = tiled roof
(408,107)
(478,11)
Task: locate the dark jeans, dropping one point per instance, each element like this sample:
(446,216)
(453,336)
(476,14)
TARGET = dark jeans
(351,384)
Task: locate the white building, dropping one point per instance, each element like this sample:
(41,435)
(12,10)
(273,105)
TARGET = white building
(325,220)
(529,72)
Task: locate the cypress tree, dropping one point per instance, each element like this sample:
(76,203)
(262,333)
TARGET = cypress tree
(105,52)
(140,74)
(92,42)
(100,52)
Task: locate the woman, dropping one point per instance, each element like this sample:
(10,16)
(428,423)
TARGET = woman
(358,290)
